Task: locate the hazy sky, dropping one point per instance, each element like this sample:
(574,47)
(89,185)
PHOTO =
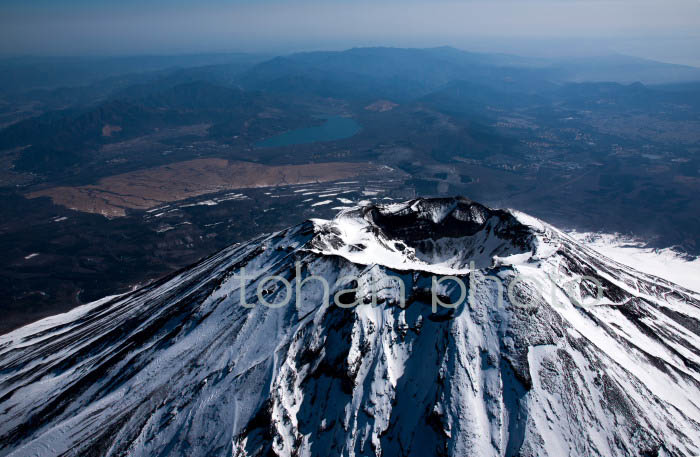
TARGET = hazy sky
(663,29)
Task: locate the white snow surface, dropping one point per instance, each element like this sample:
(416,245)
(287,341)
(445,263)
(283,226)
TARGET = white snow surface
(665,263)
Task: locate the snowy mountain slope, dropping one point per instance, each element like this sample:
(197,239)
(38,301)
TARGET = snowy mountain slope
(181,367)
(666,263)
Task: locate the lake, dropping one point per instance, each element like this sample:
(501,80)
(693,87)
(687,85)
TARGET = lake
(335,128)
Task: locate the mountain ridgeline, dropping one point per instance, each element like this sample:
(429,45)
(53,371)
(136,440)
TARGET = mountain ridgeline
(181,367)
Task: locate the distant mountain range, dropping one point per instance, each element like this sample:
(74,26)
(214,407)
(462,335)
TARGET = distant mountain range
(226,95)
(21,74)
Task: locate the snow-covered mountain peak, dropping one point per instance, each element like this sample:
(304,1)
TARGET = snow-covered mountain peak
(439,235)
(327,339)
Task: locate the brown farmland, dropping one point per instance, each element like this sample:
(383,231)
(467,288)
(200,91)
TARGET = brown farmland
(145,189)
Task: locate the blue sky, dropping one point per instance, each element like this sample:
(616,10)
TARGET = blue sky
(662,29)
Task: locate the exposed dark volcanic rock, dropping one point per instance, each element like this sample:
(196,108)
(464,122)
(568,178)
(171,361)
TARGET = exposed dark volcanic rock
(440,218)
(181,367)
